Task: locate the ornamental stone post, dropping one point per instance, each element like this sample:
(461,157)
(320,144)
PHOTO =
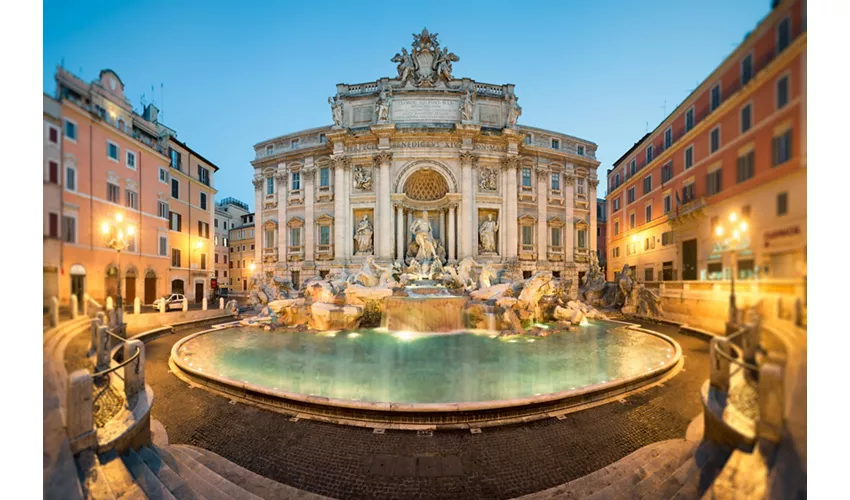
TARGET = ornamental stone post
(134,372)
(102,359)
(74,307)
(79,411)
(96,323)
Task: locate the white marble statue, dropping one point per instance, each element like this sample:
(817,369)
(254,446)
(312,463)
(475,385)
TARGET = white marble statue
(363,235)
(443,64)
(467,106)
(363,178)
(405,67)
(336,109)
(424,238)
(367,275)
(487,179)
(514,111)
(487,235)
(382,106)
(486,276)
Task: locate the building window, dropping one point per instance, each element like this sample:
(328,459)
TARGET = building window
(113,192)
(648,213)
(162,209)
(324,177)
(689,119)
(53,135)
(323,138)
(203,229)
(746,118)
(556,182)
(203,201)
(204,175)
(617,180)
(163,245)
(715,97)
(131,160)
(746,69)
(782,148)
(70,131)
(632,220)
(53,172)
(616,204)
(689,157)
(269,233)
(324,235)
(745,211)
(782,204)
(746,166)
(666,238)
(688,193)
(527,139)
(53,225)
(648,274)
(176,158)
(630,196)
(112,150)
(527,235)
(556,144)
(668,137)
(175,189)
(175,257)
(132,200)
(580,150)
(269,150)
(131,245)
(269,185)
(632,167)
(615,252)
(526,178)
(616,228)
(70,178)
(295,236)
(176,221)
(714,139)
(648,155)
(783,35)
(647,184)
(668,204)
(580,186)
(294,143)
(163,175)
(782,92)
(69,229)
(582,238)
(203,261)
(714,181)
(666,172)
(556,236)
(296,181)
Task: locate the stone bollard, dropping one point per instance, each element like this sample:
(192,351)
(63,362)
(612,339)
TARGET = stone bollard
(221,303)
(162,307)
(75,307)
(96,323)
(750,341)
(112,315)
(109,305)
(79,409)
(798,312)
(185,304)
(204,304)
(54,311)
(102,362)
(771,391)
(719,371)
(134,372)
(86,299)
(137,306)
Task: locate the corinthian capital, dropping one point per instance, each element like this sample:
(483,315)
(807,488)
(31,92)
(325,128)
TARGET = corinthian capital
(383,158)
(510,161)
(280,177)
(340,162)
(258,184)
(593,183)
(467,158)
(308,172)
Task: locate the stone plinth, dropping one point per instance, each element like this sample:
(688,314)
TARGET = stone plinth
(331,317)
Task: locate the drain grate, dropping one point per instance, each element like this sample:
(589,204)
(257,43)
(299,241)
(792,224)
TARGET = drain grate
(475,430)
(378,430)
(561,417)
(294,419)
(425,433)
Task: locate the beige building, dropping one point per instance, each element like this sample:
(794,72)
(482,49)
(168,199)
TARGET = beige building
(228,215)
(242,250)
(52,197)
(425,141)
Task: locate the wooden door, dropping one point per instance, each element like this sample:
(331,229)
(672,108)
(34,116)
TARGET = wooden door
(130,289)
(199,292)
(150,290)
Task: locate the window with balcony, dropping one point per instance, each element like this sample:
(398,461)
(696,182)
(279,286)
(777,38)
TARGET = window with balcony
(782,92)
(668,137)
(783,35)
(647,184)
(204,175)
(782,148)
(526,178)
(746,166)
(630,195)
(689,119)
(714,139)
(746,69)
(688,192)
(176,261)
(175,189)
(746,118)
(113,192)
(715,96)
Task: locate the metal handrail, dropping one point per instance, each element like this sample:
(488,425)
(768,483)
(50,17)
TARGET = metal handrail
(738,351)
(123,363)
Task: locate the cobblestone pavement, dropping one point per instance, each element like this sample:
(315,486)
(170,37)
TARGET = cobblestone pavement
(347,462)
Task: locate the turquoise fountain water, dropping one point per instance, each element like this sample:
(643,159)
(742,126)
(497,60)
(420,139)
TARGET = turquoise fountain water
(407,367)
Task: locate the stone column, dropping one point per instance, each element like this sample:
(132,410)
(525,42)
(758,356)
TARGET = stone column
(451,244)
(591,192)
(399,232)
(569,227)
(281,180)
(511,163)
(467,204)
(348,241)
(307,173)
(542,195)
(258,220)
(407,235)
(339,209)
(384,241)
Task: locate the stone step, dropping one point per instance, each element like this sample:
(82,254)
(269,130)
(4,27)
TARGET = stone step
(195,481)
(704,454)
(119,478)
(176,484)
(211,476)
(743,476)
(94,482)
(709,459)
(624,487)
(250,481)
(664,469)
(145,478)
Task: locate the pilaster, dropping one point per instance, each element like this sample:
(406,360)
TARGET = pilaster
(338,163)
(308,173)
(384,237)
(258,220)
(591,192)
(542,240)
(570,227)
(511,163)
(467,207)
(281,184)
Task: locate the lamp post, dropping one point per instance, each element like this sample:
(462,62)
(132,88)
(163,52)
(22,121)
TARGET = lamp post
(730,235)
(116,233)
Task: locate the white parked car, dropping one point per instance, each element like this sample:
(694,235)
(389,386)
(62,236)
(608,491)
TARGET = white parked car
(173,301)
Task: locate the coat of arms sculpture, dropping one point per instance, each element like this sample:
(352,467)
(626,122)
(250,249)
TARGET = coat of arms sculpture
(426,65)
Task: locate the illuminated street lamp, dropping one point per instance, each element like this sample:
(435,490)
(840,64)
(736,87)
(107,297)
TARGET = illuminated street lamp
(119,235)
(732,232)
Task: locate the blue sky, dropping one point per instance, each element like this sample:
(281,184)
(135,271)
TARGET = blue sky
(236,73)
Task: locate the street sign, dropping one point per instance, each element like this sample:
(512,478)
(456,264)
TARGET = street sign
(214,283)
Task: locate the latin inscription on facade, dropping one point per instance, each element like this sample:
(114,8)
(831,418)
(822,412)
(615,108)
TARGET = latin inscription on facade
(490,115)
(363,114)
(425,110)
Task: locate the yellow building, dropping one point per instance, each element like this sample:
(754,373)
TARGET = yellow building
(242,249)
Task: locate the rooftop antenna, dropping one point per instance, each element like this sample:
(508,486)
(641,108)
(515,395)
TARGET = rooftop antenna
(664,107)
(162,95)
(646,127)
